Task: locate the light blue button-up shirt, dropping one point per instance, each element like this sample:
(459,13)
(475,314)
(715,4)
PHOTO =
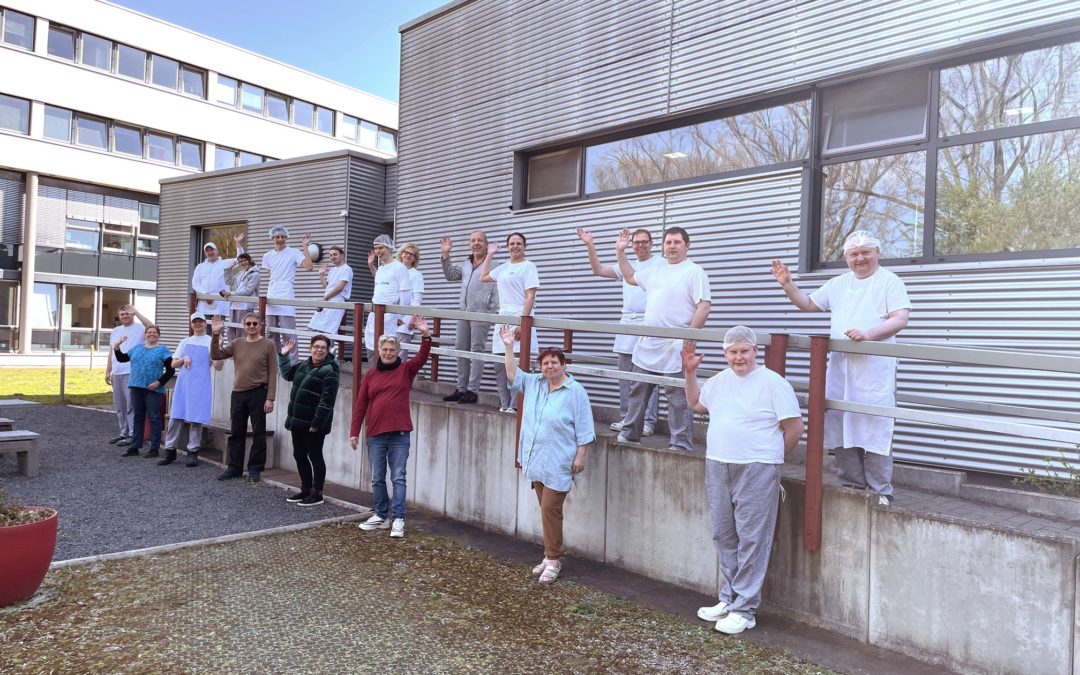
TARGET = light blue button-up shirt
(553,425)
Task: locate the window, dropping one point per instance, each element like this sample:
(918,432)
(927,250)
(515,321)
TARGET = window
(43,308)
(350,126)
(118,239)
(131,62)
(112,299)
(251,98)
(149,229)
(303,112)
(872,112)
(96,52)
(91,132)
(61,43)
(277,107)
(369,134)
(224,158)
(127,140)
(14,114)
(18,29)
(9,303)
(387,141)
(82,235)
(78,317)
(324,121)
(192,81)
(58,123)
(554,175)
(222,237)
(191,154)
(161,147)
(146,303)
(149,212)
(249,158)
(226,90)
(163,71)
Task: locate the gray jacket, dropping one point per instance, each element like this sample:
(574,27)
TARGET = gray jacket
(476,295)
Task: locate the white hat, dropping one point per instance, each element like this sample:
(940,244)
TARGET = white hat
(197,316)
(210,244)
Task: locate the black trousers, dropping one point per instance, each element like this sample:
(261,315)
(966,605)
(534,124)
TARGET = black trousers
(307,451)
(245,405)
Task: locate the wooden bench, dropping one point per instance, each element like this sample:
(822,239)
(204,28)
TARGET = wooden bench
(221,431)
(25,445)
(10,405)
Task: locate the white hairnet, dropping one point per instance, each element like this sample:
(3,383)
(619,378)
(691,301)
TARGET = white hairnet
(859,239)
(384,240)
(279,229)
(739,335)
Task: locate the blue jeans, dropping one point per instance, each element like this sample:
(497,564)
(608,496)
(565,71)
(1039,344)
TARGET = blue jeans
(391,448)
(145,402)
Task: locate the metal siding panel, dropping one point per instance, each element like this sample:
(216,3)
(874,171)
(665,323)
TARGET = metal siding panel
(367,195)
(11,210)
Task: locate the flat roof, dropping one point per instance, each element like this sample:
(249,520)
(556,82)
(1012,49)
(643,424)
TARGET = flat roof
(277,163)
(424,18)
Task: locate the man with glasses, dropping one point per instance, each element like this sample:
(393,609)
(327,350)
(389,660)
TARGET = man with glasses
(336,279)
(280,263)
(633,314)
(475,296)
(254,390)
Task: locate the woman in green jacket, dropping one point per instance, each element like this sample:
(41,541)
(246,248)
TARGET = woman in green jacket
(311,412)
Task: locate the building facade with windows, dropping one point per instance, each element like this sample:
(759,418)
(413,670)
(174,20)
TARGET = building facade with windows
(771,130)
(98,103)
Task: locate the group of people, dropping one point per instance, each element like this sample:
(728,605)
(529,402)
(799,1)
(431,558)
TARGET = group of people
(754,418)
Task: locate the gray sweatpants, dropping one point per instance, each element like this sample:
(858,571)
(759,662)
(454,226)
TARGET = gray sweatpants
(121,398)
(743,502)
(471,336)
(172,434)
(679,416)
(859,469)
(289,322)
(626,364)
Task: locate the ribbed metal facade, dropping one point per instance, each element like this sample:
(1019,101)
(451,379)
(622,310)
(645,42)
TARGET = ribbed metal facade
(308,196)
(485,79)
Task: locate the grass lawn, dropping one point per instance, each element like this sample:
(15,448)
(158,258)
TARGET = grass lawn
(84,386)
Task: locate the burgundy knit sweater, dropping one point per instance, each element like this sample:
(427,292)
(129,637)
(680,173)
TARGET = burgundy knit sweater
(384,396)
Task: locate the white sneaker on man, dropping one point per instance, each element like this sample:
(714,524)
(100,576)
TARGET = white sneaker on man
(647,430)
(375,522)
(714,613)
(616,426)
(733,624)
(398,528)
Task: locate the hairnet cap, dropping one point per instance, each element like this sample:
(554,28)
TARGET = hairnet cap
(384,240)
(210,244)
(739,335)
(859,239)
(279,229)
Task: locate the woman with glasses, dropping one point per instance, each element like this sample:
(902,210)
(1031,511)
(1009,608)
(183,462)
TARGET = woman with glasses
(409,256)
(151,370)
(382,404)
(310,413)
(556,430)
(244,281)
(517,282)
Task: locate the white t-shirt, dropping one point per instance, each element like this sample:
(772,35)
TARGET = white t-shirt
(134,334)
(513,279)
(745,415)
(282,266)
(672,293)
(861,303)
(392,285)
(340,273)
(633,303)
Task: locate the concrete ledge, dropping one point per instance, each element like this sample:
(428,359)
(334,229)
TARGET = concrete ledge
(942,481)
(1032,502)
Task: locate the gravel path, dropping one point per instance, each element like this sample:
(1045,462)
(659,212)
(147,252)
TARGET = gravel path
(110,503)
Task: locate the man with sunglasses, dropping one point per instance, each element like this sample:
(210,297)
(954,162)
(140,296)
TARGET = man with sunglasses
(633,314)
(254,390)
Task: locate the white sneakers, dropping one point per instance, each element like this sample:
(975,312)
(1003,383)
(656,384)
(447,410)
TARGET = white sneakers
(616,426)
(647,430)
(619,426)
(730,623)
(714,613)
(884,500)
(398,528)
(375,522)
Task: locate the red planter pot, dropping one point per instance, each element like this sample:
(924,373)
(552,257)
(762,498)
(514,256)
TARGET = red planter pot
(25,554)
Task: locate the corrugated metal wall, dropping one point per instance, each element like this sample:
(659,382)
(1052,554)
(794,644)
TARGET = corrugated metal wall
(367,220)
(490,77)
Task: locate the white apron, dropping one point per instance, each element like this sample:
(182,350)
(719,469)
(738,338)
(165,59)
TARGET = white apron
(193,396)
(327,320)
(390,327)
(860,378)
(497,346)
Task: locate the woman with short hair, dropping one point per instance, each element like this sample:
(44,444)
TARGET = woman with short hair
(151,370)
(311,413)
(243,280)
(409,256)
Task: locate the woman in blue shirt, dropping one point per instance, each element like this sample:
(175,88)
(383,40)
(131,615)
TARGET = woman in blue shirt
(556,430)
(151,368)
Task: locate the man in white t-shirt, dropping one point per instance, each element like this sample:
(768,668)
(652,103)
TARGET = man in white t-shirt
(676,296)
(209,277)
(754,420)
(116,373)
(392,287)
(280,263)
(867,303)
(633,314)
(336,279)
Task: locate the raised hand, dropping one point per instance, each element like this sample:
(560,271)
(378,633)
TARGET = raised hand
(122,340)
(781,273)
(508,333)
(287,347)
(493,249)
(419,324)
(623,240)
(216,324)
(446,246)
(691,360)
(306,240)
(238,238)
(371,257)
(585,236)
(324,270)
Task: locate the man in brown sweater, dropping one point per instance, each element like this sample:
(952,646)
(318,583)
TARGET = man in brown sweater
(254,389)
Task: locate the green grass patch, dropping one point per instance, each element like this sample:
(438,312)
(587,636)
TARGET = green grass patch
(82,385)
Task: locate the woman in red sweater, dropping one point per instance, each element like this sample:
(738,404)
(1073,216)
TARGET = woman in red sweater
(383,405)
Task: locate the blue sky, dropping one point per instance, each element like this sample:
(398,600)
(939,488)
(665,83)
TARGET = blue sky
(352,41)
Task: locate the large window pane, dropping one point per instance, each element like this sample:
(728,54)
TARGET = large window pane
(161,147)
(387,141)
(43,308)
(277,107)
(18,29)
(324,120)
(82,235)
(251,98)
(127,140)
(192,81)
(163,71)
(146,303)
(91,132)
(149,212)
(554,175)
(58,123)
(79,307)
(758,138)
(884,195)
(14,114)
(118,239)
(9,298)
(61,43)
(249,158)
(191,154)
(131,62)
(96,52)
(349,127)
(1016,194)
(112,299)
(369,134)
(226,90)
(879,110)
(224,158)
(1034,86)
(303,113)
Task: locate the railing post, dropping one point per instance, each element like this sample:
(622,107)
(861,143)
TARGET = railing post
(524,358)
(380,320)
(193,303)
(357,345)
(568,342)
(436,332)
(776,354)
(815,443)
(63,378)
(262,316)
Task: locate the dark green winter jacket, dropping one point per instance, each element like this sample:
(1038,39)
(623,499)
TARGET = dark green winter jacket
(314,390)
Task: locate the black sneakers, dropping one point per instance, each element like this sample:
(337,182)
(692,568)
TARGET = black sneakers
(455,396)
(298,496)
(254,476)
(152,452)
(169,458)
(229,475)
(192,460)
(313,499)
(130,452)
(468,397)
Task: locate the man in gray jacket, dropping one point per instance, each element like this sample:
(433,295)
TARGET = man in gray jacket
(475,296)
